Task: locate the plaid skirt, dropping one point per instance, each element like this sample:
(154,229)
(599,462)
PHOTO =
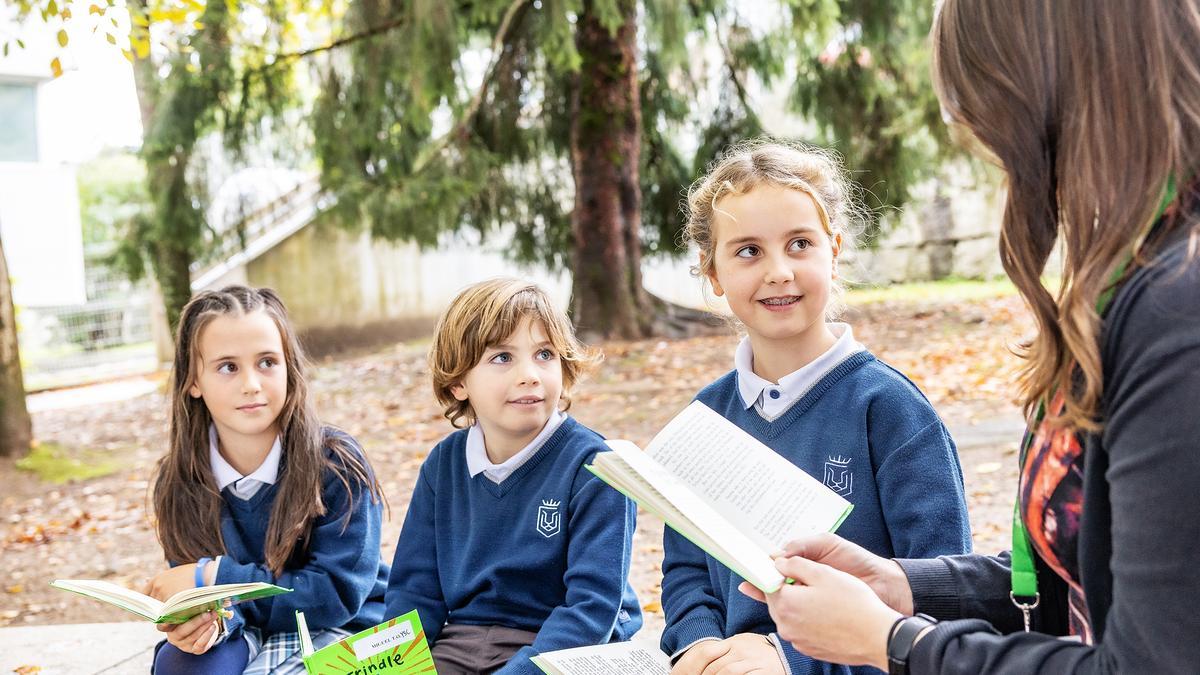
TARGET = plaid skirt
(279,654)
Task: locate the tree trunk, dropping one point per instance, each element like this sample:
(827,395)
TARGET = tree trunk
(172,270)
(16,430)
(170,256)
(606,127)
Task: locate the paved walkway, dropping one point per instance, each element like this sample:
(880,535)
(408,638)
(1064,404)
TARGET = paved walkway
(78,649)
(94,648)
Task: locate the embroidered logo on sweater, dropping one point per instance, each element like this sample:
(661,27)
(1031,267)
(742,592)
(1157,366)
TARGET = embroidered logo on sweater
(549,520)
(838,476)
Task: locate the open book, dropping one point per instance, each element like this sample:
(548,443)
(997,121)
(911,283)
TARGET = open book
(176,609)
(615,658)
(724,490)
(395,647)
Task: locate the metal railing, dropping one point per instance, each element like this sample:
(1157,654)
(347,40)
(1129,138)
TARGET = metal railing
(108,336)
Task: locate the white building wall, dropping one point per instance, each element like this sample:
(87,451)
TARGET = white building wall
(91,107)
(39,224)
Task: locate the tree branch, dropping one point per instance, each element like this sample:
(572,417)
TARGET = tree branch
(460,130)
(733,73)
(341,42)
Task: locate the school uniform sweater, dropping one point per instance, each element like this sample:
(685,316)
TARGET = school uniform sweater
(870,435)
(548,549)
(338,581)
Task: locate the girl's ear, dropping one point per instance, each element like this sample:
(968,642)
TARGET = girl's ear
(712,277)
(836,242)
(194,390)
(459,391)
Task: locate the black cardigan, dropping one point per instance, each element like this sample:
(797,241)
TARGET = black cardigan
(1139,540)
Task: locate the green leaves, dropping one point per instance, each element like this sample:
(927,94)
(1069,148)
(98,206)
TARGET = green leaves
(555,26)
(868,89)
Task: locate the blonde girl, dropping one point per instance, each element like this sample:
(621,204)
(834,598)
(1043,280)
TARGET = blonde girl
(771,221)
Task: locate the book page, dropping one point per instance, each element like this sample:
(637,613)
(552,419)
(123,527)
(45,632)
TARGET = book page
(770,499)
(306,645)
(119,596)
(644,480)
(191,597)
(178,608)
(191,601)
(617,658)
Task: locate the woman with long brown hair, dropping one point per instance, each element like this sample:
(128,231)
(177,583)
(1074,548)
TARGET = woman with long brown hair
(253,488)
(1092,109)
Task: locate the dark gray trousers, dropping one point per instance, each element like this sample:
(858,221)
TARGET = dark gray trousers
(461,649)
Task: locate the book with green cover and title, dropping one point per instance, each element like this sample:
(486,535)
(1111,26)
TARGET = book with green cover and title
(728,493)
(176,609)
(394,647)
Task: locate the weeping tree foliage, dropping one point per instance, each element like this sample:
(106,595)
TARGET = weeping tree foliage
(200,68)
(216,78)
(858,69)
(553,121)
(865,80)
(544,119)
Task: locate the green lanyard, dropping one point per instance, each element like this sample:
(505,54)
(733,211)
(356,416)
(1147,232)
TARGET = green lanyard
(1024,592)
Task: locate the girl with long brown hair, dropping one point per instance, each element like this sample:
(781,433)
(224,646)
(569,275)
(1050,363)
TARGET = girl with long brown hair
(1092,109)
(254,488)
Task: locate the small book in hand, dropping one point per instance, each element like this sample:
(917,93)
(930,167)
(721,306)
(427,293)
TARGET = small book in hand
(176,609)
(728,493)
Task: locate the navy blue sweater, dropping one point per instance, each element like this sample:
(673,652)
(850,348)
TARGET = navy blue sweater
(546,550)
(871,436)
(338,582)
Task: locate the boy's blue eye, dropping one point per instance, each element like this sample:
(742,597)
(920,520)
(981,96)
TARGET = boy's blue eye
(545,355)
(800,244)
(502,357)
(747,252)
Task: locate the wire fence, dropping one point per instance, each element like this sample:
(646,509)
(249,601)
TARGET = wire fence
(108,336)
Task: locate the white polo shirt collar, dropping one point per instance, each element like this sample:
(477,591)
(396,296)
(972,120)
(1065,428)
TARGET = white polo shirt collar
(243,487)
(772,399)
(477,459)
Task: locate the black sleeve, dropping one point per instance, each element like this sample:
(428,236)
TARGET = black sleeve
(977,587)
(1151,441)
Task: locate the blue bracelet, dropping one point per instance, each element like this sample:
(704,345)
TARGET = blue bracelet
(200,571)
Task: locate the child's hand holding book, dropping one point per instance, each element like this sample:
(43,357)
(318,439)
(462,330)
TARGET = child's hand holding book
(198,634)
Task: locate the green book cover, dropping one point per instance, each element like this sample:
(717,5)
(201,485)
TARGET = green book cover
(394,647)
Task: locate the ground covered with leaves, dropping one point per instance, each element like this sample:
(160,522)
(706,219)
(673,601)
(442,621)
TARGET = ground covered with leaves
(957,349)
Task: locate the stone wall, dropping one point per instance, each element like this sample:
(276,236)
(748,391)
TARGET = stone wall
(938,237)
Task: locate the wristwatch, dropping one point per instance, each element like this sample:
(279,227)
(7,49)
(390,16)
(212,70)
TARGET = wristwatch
(901,639)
